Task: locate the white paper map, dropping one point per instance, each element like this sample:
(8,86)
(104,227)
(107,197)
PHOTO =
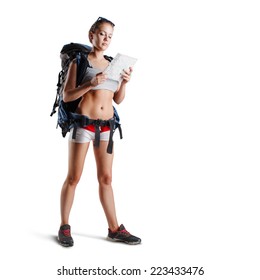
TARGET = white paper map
(117,65)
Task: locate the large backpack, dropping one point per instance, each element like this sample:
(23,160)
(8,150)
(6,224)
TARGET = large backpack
(66,109)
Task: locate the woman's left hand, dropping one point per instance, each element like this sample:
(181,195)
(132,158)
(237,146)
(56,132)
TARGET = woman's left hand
(126,75)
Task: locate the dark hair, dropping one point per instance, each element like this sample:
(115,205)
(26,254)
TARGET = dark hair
(98,22)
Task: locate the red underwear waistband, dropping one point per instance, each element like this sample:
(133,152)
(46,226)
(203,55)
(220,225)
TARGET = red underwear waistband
(91,127)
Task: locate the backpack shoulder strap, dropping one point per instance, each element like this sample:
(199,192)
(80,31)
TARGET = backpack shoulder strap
(109,58)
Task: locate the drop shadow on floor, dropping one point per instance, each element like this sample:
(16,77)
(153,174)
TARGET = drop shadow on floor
(54,238)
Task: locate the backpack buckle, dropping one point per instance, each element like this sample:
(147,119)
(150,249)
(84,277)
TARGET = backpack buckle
(98,122)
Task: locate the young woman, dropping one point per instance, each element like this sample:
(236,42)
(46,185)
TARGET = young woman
(97,93)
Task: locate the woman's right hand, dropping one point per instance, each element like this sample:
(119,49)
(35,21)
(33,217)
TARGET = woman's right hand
(98,79)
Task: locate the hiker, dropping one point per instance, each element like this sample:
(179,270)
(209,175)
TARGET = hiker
(97,92)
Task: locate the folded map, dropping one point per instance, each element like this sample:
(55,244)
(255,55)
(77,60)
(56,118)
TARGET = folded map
(117,65)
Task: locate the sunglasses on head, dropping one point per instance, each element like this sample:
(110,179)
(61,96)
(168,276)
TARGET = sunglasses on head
(105,20)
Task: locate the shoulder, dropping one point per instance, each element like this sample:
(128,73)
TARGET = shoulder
(73,63)
(72,69)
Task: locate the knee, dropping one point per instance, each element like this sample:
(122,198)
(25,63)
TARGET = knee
(105,179)
(72,181)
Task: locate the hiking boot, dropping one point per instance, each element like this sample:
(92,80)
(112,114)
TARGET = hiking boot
(64,236)
(122,235)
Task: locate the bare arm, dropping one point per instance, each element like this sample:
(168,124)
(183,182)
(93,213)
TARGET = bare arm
(120,93)
(71,91)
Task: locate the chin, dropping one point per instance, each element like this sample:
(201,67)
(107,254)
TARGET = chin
(104,47)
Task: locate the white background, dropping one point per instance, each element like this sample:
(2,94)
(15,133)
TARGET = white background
(186,174)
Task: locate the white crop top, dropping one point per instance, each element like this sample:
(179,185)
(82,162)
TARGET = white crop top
(108,84)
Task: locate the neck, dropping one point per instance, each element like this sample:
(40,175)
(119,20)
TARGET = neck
(96,54)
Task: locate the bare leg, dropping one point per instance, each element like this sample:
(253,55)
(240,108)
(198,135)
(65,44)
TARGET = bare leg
(77,154)
(104,163)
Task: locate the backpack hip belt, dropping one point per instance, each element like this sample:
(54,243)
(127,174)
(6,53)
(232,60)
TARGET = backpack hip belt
(78,120)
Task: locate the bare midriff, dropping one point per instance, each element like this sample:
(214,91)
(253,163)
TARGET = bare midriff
(97,104)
